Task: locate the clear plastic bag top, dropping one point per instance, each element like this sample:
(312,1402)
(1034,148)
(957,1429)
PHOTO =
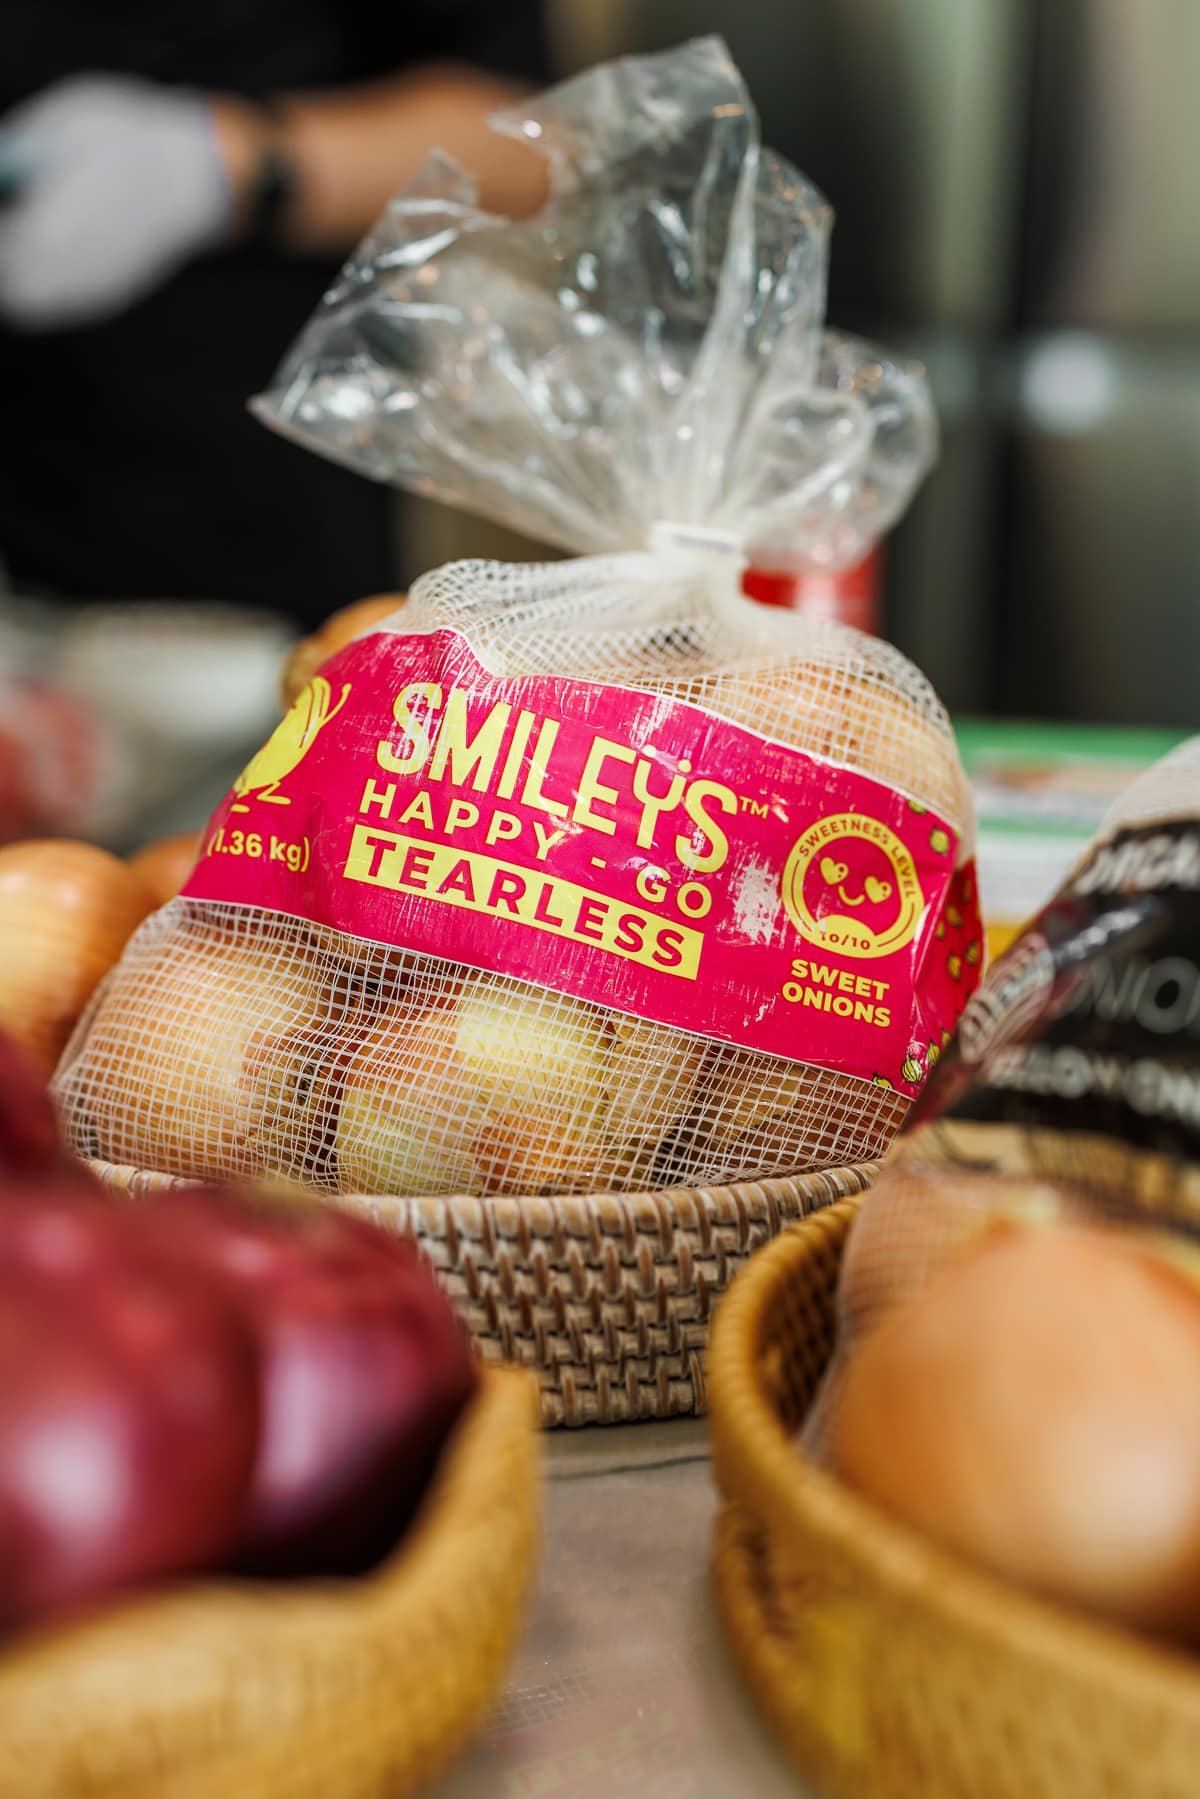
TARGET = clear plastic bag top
(650,347)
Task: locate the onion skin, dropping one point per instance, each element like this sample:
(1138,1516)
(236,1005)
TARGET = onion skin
(128,1411)
(337,631)
(489,1090)
(916,1219)
(828,712)
(397,1131)
(482,1090)
(170,1075)
(67,910)
(1036,1411)
(30,1146)
(166,864)
(363,1371)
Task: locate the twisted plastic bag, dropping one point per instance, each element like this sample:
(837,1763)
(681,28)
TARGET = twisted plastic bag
(650,347)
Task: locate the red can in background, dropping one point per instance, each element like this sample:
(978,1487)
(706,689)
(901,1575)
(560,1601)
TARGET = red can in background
(852,596)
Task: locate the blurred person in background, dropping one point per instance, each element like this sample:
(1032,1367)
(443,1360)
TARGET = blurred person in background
(178,186)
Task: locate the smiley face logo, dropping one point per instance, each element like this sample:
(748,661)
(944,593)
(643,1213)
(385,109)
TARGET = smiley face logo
(850,885)
(834,875)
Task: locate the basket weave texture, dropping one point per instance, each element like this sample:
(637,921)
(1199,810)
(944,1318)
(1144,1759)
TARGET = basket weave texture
(608,1298)
(888,1669)
(360,1689)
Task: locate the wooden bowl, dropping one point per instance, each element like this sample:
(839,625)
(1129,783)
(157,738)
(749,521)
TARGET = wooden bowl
(889,1669)
(346,1689)
(607,1298)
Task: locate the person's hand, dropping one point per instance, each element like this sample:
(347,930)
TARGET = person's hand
(125,182)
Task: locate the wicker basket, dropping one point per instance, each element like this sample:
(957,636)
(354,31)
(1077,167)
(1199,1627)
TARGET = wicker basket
(607,1297)
(358,1689)
(889,1669)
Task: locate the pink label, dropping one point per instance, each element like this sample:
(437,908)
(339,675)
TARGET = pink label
(607,843)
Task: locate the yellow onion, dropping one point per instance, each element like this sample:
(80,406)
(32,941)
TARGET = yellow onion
(1037,1409)
(334,634)
(860,723)
(165,864)
(916,1219)
(178,1073)
(66,912)
(651,1072)
(495,1089)
(766,1112)
(485,1090)
(404,1123)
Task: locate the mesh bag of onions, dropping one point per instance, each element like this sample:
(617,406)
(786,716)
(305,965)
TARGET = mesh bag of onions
(1017,1361)
(593,874)
(1070,1094)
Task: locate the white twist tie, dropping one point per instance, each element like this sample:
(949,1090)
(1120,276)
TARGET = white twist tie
(668,534)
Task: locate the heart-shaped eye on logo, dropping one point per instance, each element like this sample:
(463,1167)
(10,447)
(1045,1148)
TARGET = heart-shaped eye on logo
(832,871)
(877,890)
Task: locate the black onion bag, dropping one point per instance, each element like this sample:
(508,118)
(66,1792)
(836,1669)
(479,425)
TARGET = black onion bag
(1071,1090)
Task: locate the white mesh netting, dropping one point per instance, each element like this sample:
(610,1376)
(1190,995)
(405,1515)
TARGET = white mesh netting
(235,1041)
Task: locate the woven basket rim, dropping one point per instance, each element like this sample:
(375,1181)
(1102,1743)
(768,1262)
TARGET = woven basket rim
(608,1297)
(757,1464)
(445,1538)
(538,1209)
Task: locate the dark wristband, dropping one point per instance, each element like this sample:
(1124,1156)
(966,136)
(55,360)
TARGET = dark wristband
(274,187)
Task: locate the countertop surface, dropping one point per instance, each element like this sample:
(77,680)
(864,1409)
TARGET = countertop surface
(621,1683)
